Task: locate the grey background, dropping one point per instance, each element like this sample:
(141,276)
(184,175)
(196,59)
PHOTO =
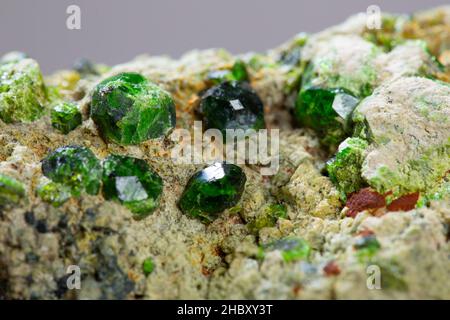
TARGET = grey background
(114,31)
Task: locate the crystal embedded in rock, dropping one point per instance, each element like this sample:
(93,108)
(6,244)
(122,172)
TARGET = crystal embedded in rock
(291,248)
(212,190)
(75,167)
(232,105)
(65,117)
(327,111)
(128,109)
(133,183)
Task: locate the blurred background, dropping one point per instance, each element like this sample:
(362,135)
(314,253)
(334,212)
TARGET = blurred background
(114,31)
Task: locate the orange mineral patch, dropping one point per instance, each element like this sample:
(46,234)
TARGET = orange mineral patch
(364,199)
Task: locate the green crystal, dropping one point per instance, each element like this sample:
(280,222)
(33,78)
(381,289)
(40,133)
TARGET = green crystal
(75,167)
(327,111)
(268,217)
(212,190)
(148,266)
(54,193)
(65,117)
(232,105)
(133,183)
(128,109)
(344,169)
(22,91)
(291,248)
(238,72)
(11,190)
(367,247)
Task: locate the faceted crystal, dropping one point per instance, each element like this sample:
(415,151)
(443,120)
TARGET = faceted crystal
(75,167)
(212,190)
(327,111)
(133,183)
(232,105)
(65,117)
(128,109)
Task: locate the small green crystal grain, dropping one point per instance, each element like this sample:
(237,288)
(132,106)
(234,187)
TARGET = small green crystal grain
(291,248)
(54,193)
(11,190)
(345,168)
(148,266)
(65,117)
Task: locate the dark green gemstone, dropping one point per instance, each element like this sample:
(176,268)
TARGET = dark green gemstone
(232,105)
(133,183)
(128,109)
(11,190)
(75,167)
(344,169)
(148,266)
(212,190)
(291,248)
(65,117)
(327,111)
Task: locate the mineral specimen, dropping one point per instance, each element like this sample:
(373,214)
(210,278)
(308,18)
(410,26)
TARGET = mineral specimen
(212,190)
(133,183)
(128,109)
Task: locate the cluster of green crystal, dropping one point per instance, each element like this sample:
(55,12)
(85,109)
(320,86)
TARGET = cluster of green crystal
(238,72)
(22,90)
(74,169)
(212,190)
(231,105)
(128,109)
(344,169)
(65,116)
(291,248)
(133,183)
(11,190)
